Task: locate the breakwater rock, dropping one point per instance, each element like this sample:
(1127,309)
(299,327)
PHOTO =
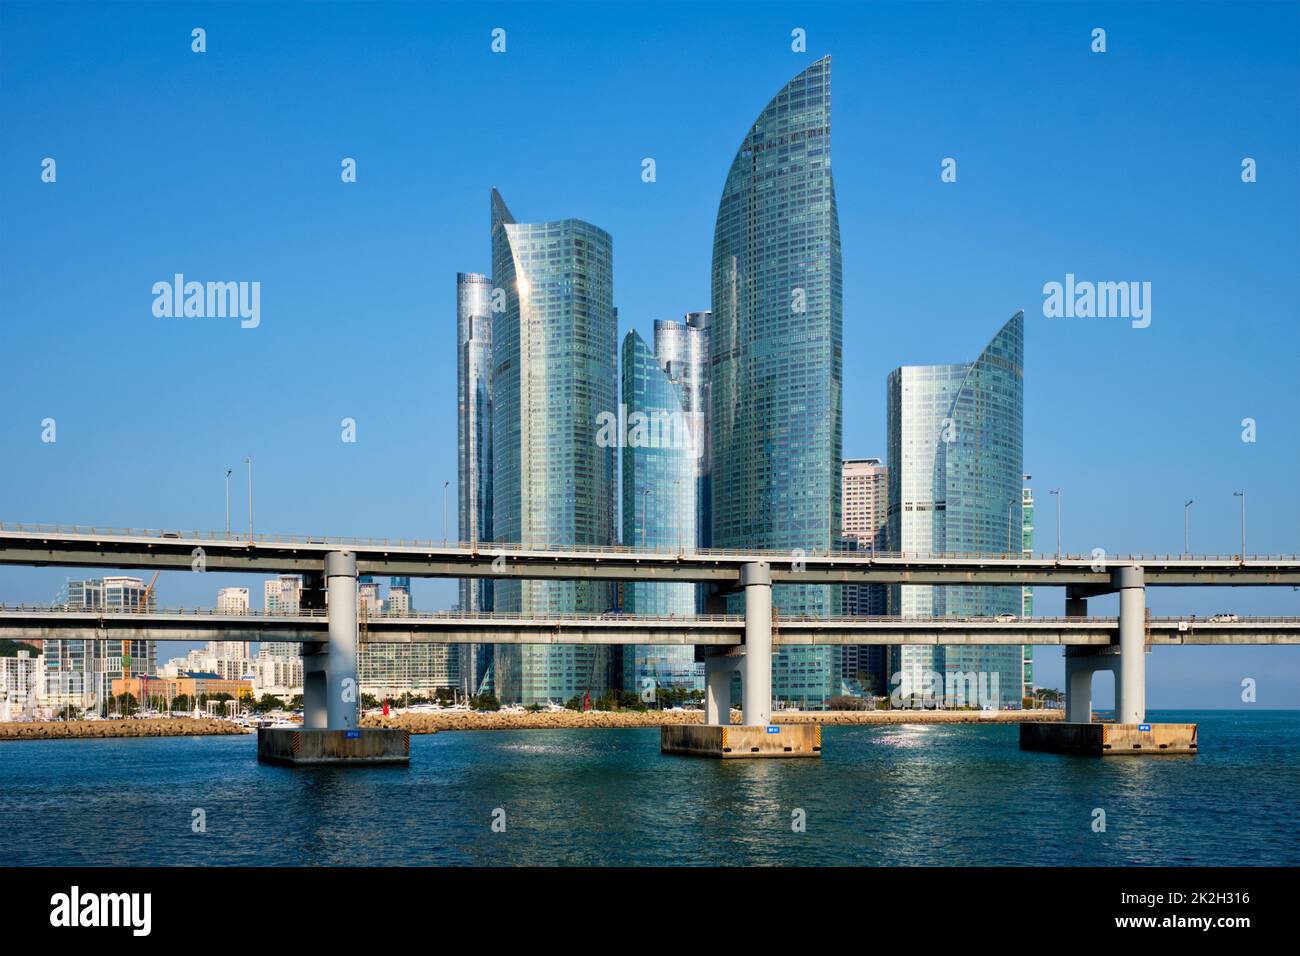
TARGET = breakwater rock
(432,722)
(81,729)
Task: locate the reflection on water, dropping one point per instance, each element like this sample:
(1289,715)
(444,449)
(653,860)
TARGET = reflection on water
(896,795)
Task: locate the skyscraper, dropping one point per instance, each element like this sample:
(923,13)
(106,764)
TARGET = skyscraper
(682,350)
(776,359)
(1027,593)
(663,478)
(554,372)
(866,496)
(474,446)
(955,485)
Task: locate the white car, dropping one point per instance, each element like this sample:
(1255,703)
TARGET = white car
(1224,619)
(1005,618)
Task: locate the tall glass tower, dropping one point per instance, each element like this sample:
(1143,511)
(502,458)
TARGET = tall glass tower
(776,359)
(663,474)
(474,449)
(956,480)
(554,370)
(1027,593)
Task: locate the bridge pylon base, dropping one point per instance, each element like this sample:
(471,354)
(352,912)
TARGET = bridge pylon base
(317,747)
(1109,740)
(729,742)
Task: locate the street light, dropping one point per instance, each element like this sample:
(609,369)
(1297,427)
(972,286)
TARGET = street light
(1057,492)
(1242,495)
(1186,504)
(444,511)
(228,472)
(249,461)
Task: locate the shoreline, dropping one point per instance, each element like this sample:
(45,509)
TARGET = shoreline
(460,720)
(105,729)
(424,723)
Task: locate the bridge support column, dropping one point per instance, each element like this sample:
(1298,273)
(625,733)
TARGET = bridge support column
(329,668)
(757,737)
(756,671)
(331,693)
(1129,733)
(343,697)
(1078,688)
(718,668)
(1131,688)
(1078,669)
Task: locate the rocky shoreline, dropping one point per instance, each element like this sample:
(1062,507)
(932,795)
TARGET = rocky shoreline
(83,729)
(427,723)
(451,720)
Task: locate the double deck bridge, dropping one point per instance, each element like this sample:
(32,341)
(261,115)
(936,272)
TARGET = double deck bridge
(329,628)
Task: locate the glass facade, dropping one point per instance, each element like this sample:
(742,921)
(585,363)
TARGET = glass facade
(474,450)
(663,444)
(554,371)
(956,485)
(1027,593)
(776,360)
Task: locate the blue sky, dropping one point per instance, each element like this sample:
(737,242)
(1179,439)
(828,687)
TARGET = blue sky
(225,166)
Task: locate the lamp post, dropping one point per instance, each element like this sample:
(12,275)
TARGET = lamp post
(249,461)
(444,511)
(228,471)
(1057,493)
(1242,495)
(1186,505)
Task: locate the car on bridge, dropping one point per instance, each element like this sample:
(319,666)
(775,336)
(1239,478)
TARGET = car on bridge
(1224,618)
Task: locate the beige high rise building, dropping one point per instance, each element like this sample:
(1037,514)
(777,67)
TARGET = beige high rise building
(232,600)
(865,492)
(866,508)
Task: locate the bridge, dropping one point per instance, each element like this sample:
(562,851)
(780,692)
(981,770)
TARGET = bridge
(55,622)
(86,547)
(329,631)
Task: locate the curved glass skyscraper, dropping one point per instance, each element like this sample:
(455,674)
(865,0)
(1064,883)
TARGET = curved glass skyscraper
(474,441)
(777,356)
(956,477)
(554,371)
(663,474)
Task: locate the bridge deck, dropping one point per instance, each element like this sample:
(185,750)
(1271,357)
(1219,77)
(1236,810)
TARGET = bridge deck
(50,545)
(46,623)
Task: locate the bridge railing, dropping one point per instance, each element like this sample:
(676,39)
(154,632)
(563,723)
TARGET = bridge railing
(488,548)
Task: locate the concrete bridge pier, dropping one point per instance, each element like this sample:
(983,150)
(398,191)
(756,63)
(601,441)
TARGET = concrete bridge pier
(1131,688)
(718,668)
(343,703)
(756,672)
(1081,663)
(331,696)
(1129,733)
(757,736)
